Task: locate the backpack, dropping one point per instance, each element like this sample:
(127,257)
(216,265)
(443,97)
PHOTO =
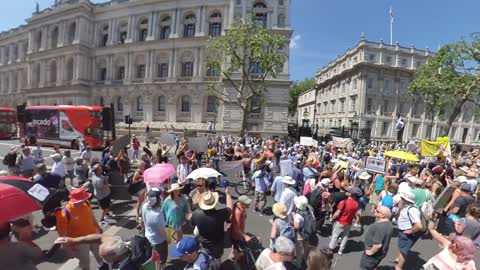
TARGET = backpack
(423,219)
(387,201)
(316,201)
(10,159)
(309,230)
(286,230)
(379,183)
(210,262)
(140,250)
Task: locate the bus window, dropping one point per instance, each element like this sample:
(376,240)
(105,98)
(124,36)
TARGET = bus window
(88,131)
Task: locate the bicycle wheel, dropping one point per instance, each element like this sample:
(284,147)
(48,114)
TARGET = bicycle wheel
(243,187)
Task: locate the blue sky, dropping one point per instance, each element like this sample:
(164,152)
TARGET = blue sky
(324,29)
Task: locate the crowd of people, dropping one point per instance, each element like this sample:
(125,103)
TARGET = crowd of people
(315,190)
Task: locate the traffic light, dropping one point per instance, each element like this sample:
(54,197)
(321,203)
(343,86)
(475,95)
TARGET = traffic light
(128,119)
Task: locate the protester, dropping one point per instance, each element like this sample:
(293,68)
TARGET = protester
(102,193)
(460,205)
(23,254)
(155,225)
(10,160)
(80,171)
(86,155)
(183,170)
(138,188)
(288,194)
(188,250)
(236,228)
(25,163)
(37,154)
(196,194)
(281,225)
(58,167)
(318,260)
(274,259)
(262,181)
(377,239)
(135,146)
(69,164)
(305,228)
(177,211)
(321,202)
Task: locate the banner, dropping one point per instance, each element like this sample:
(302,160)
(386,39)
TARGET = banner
(308,141)
(286,167)
(375,165)
(198,144)
(167,138)
(341,142)
(443,199)
(230,167)
(120,143)
(440,147)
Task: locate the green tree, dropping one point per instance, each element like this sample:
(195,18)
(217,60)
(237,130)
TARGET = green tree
(247,56)
(296,89)
(450,79)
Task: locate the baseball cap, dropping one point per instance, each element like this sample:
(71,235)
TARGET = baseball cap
(465,187)
(186,246)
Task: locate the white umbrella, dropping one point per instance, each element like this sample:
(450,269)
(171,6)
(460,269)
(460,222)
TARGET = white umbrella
(203,173)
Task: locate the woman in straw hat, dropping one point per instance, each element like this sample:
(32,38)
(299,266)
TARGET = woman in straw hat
(176,211)
(281,225)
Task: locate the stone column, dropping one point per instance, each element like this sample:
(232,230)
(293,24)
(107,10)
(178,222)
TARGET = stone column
(2,55)
(275,15)
(196,62)
(10,54)
(109,69)
(96,41)
(60,70)
(178,23)
(41,82)
(30,42)
(130,34)
(76,68)
(111,32)
(203,28)
(20,54)
(129,75)
(149,67)
(76,40)
(148,106)
(43,44)
(225,19)
(172,66)
(201,65)
(198,22)
(152,26)
(29,75)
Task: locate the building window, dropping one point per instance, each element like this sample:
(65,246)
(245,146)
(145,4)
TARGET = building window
(369,105)
(121,73)
(189,27)
(54,38)
(281,21)
(140,72)
(428,132)
(53,71)
(103,74)
(342,105)
(401,108)
(187,69)
(280,2)
(389,59)
(72,31)
(165,32)
(255,104)
(69,74)
(211,71)
(384,128)
(211,104)
(387,84)
(385,105)
(215,28)
(371,57)
(355,59)
(260,17)
(122,35)
(162,71)
(119,104)
(38,42)
(354,83)
(104,36)
(161,104)
(370,83)
(255,68)
(143,30)
(343,87)
(353,101)
(139,104)
(414,131)
(185,104)
(404,62)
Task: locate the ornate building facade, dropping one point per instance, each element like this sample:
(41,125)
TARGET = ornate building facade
(367,88)
(146,57)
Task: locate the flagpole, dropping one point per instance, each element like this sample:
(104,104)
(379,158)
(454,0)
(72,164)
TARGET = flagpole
(391,26)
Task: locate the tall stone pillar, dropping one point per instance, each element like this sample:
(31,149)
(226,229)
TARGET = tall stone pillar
(152,26)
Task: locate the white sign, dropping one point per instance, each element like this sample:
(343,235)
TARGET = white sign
(38,192)
(375,165)
(167,138)
(308,141)
(231,167)
(341,142)
(286,167)
(198,144)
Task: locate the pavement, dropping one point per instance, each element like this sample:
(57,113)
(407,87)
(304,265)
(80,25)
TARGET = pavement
(124,226)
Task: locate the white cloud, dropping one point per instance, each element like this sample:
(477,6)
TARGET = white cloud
(294,42)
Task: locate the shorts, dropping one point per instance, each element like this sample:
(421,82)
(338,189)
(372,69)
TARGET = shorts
(213,249)
(105,202)
(406,242)
(369,262)
(162,251)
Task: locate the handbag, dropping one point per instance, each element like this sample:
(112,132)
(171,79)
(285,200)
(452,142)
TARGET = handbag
(134,188)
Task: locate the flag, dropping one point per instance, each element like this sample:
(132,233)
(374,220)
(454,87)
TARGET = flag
(391,15)
(440,147)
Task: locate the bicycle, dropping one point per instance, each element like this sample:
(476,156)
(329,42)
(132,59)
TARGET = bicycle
(242,187)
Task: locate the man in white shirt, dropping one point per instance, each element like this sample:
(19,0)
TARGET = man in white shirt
(58,166)
(183,170)
(87,155)
(274,260)
(288,194)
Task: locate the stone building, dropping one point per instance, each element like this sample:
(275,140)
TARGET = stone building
(306,109)
(146,57)
(366,88)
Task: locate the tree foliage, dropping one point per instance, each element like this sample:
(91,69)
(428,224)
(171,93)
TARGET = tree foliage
(450,79)
(296,89)
(246,56)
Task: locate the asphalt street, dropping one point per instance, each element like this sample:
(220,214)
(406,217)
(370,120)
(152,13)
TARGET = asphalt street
(124,226)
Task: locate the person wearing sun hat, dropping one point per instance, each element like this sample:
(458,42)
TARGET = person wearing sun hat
(209,223)
(288,194)
(188,250)
(303,211)
(409,226)
(76,219)
(176,210)
(281,224)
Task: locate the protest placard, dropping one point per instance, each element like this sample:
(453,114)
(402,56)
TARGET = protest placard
(230,167)
(375,165)
(443,199)
(341,142)
(286,167)
(120,143)
(198,144)
(308,141)
(167,138)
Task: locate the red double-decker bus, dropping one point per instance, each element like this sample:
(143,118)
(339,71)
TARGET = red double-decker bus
(64,125)
(8,123)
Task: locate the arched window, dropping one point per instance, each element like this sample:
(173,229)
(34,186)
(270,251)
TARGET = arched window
(53,71)
(281,21)
(139,104)
(104,36)
(143,30)
(119,104)
(255,104)
(165,28)
(211,104)
(260,17)
(72,31)
(185,104)
(162,71)
(69,70)
(161,104)
(122,32)
(189,26)
(38,40)
(187,69)
(54,38)
(215,28)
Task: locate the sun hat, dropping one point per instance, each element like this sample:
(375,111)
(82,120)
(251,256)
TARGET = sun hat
(364,176)
(279,210)
(41,166)
(325,182)
(471,174)
(408,196)
(208,200)
(461,179)
(244,199)
(79,195)
(175,186)
(300,202)
(464,169)
(465,187)
(186,246)
(288,180)
(77,159)
(419,181)
(354,191)
(56,156)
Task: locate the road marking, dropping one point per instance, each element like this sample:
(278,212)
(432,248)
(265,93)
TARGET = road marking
(73,263)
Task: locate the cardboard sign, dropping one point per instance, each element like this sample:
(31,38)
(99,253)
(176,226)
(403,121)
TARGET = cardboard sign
(39,192)
(120,143)
(230,167)
(308,141)
(190,133)
(167,138)
(375,165)
(341,142)
(198,144)
(443,199)
(286,167)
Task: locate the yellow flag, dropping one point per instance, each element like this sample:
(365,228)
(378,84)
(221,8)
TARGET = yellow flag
(440,147)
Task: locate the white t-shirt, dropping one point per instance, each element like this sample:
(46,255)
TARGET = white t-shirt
(264,260)
(408,213)
(287,198)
